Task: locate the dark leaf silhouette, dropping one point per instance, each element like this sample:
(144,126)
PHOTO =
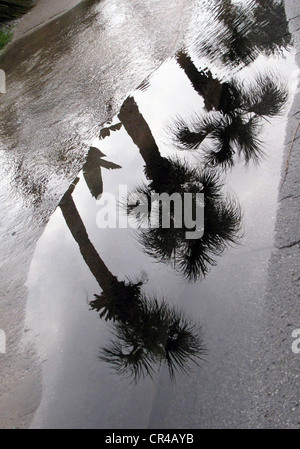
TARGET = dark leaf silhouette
(92,170)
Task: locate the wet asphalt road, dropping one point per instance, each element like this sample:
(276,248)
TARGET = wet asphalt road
(76,82)
(252,380)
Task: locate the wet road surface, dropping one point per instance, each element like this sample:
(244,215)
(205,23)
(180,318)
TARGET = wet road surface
(220,99)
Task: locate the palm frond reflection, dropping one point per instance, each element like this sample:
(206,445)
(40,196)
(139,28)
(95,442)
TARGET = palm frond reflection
(222,222)
(234,115)
(152,333)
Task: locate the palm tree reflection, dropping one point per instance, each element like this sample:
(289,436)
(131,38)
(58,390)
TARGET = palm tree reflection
(244,30)
(234,111)
(148,332)
(233,120)
(193,257)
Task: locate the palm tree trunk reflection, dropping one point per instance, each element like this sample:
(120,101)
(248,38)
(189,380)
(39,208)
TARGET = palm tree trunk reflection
(212,90)
(74,222)
(138,129)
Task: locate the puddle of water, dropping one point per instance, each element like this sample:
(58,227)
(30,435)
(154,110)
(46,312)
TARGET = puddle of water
(166,302)
(63,81)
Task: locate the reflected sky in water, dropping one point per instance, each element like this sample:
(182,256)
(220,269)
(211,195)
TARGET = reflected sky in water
(210,119)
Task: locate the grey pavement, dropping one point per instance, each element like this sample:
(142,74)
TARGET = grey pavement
(276,391)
